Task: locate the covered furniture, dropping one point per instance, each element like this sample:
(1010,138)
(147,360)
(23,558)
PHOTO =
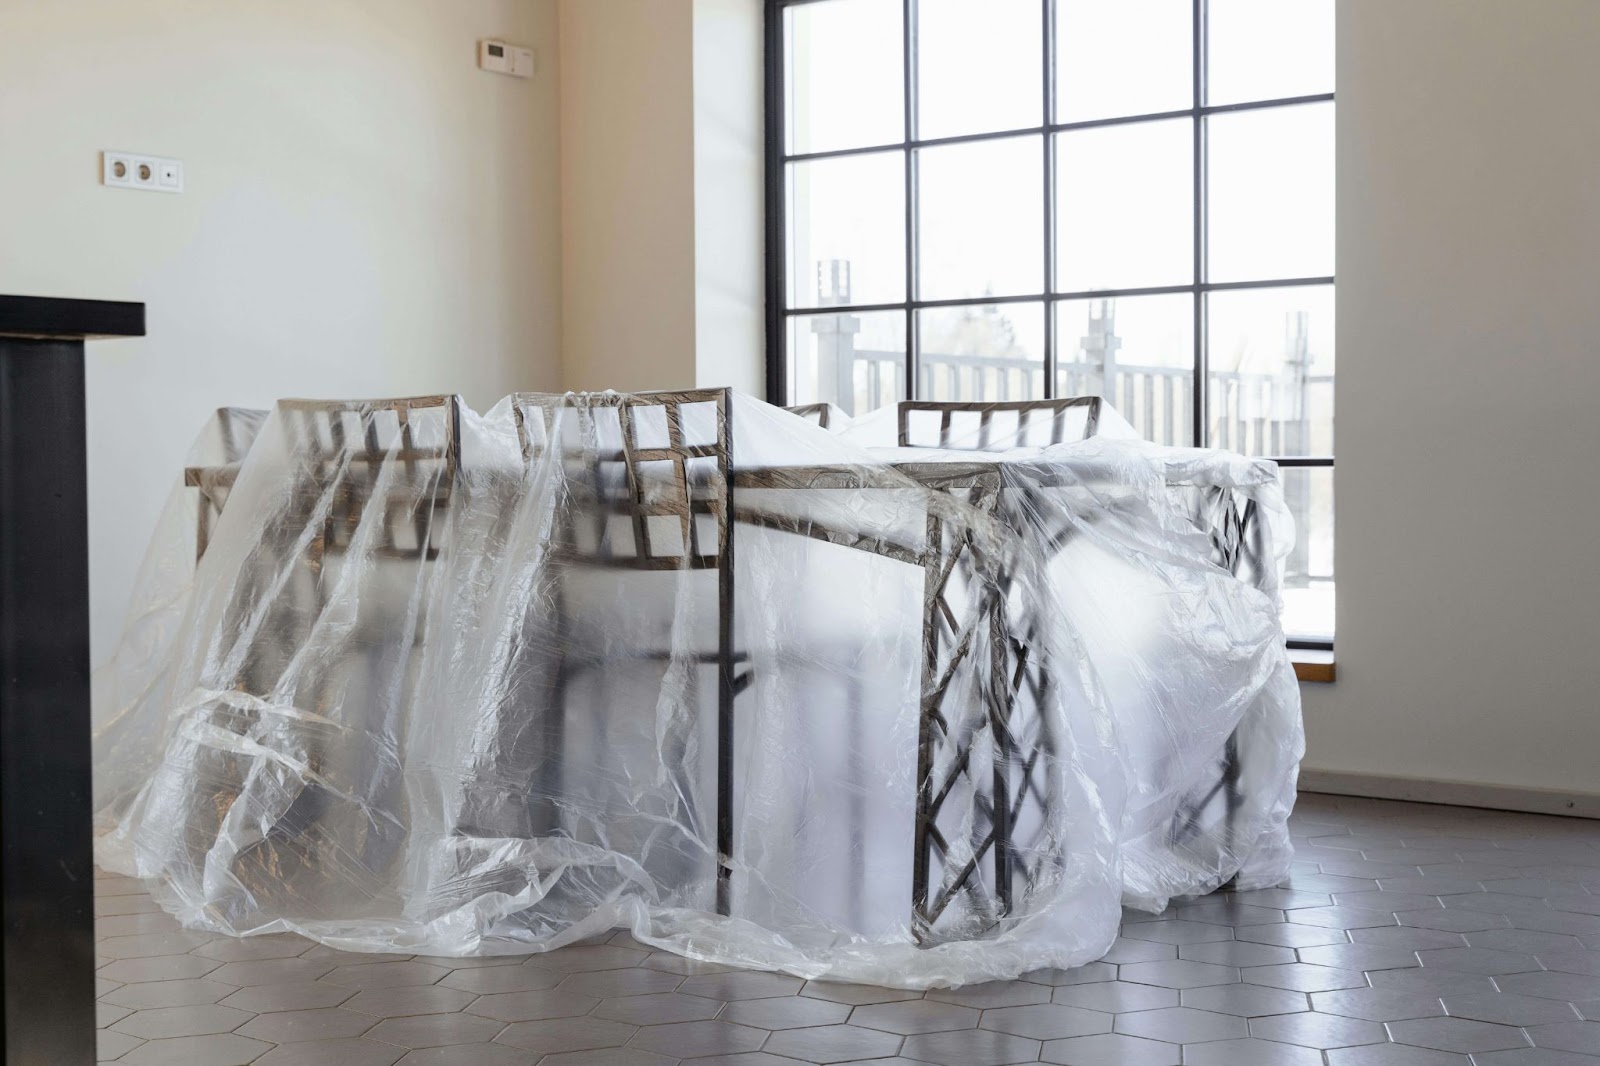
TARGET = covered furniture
(693,665)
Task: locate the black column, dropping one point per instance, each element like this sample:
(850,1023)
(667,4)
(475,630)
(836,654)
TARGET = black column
(48,868)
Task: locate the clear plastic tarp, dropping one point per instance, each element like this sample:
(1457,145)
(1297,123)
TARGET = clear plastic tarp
(824,699)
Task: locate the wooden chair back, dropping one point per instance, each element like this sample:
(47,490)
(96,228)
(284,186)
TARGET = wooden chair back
(653,469)
(999,425)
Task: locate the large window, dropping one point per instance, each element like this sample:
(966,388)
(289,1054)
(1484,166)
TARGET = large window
(1014,199)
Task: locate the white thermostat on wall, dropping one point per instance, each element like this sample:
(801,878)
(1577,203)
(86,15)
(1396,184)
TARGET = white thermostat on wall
(503,58)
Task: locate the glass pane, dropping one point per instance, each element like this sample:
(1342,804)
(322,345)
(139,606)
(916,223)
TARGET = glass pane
(1125,206)
(983,352)
(1271,193)
(1123,57)
(1271,367)
(855,361)
(981,219)
(1268,49)
(846,85)
(1308,576)
(847,230)
(979,66)
(1137,352)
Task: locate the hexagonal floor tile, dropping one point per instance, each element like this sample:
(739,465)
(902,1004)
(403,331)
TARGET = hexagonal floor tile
(1177,932)
(1457,1034)
(266,971)
(532,1006)
(1303,977)
(406,1000)
(1125,950)
(741,984)
(1341,917)
(1289,935)
(359,1052)
(1179,974)
(1377,1004)
(551,1035)
(1245,1001)
(295,995)
(1046,1021)
(223,1049)
(581,957)
(148,994)
(1394,1055)
(833,1043)
(1249,1053)
(383,974)
(1359,957)
(475,1055)
(1112,1050)
(1552,985)
(1181,1025)
(971,1047)
(1318,1030)
(1116,997)
(991,994)
(614,984)
(290,1026)
(666,1007)
(914,1016)
(1486,961)
(1236,953)
(496,979)
(160,1022)
(689,1040)
(435,1030)
(1509,1009)
(785,1012)
(1579,1037)
(843,992)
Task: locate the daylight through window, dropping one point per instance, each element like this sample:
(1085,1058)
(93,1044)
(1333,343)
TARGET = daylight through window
(1015,199)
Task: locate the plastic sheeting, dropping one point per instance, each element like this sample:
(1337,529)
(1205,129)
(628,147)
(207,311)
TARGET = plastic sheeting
(764,693)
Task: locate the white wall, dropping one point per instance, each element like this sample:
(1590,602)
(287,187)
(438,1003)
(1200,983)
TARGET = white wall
(661,162)
(729,201)
(367,213)
(627,181)
(1468,395)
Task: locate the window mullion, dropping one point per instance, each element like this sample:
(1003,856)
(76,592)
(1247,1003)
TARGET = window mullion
(1201,353)
(1047,57)
(908,69)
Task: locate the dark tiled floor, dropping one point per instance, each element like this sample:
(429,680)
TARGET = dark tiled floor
(1408,936)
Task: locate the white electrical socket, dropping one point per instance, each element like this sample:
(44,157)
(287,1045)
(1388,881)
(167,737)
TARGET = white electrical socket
(127,170)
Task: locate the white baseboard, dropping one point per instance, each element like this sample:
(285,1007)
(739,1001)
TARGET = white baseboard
(1452,793)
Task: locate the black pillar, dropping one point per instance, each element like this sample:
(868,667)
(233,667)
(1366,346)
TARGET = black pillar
(47,892)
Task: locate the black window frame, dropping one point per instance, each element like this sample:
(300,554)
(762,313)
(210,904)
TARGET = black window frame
(778,158)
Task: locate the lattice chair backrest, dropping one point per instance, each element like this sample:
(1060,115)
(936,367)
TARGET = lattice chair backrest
(981,426)
(819,414)
(648,473)
(235,430)
(345,445)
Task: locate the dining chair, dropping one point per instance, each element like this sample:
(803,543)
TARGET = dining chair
(650,483)
(818,414)
(984,426)
(347,446)
(237,428)
(369,481)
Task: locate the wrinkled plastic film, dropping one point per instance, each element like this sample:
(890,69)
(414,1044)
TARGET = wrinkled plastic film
(420,693)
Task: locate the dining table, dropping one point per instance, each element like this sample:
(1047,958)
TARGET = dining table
(400,675)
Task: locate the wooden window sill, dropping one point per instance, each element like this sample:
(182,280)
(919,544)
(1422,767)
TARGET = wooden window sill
(1313,666)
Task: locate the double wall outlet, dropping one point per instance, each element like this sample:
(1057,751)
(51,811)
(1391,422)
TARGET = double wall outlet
(126,170)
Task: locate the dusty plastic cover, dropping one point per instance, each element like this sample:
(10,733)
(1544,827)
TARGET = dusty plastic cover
(404,702)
